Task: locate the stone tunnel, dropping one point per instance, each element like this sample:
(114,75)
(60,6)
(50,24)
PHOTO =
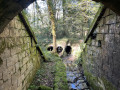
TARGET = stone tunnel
(20,57)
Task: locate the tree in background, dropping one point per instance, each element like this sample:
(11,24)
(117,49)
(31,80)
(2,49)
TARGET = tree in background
(79,15)
(53,26)
(71,18)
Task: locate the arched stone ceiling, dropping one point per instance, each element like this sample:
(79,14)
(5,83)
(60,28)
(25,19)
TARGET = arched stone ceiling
(9,9)
(112,4)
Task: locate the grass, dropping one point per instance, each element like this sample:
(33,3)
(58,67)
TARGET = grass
(54,68)
(60,82)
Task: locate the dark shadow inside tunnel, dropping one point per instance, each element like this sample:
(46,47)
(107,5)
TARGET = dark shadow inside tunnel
(59,49)
(50,48)
(68,50)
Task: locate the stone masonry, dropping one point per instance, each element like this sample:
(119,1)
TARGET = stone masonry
(101,56)
(19,58)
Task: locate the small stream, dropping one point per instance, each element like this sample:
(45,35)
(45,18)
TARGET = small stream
(76,79)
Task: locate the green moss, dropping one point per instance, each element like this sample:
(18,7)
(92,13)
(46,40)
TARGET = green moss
(33,87)
(95,19)
(93,81)
(108,85)
(44,88)
(60,82)
(24,15)
(99,83)
(89,41)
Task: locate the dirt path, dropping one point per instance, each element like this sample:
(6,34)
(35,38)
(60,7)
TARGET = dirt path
(45,76)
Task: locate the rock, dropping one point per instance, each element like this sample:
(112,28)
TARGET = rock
(80,81)
(77,75)
(82,86)
(71,79)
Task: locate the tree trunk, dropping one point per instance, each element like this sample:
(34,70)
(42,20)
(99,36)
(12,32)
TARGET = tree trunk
(66,33)
(53,26)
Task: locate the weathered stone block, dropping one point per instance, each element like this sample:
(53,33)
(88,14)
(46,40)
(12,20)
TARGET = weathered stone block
(1,75)
(9,62)
(118,19)
(100,36)
(7,52)
(111,12)
(112,18)
(3,65)
(19,87)
(23,69)
(106,28)
(12,32)
(117,28)
(25,60)
(107,12)
(12,23)
(1,82)
(6,32)
(11,69)
(102,30)
(107,20)
(6,75)
(14,51)
(7,85)
(112,28)
(101,23)
(10,42)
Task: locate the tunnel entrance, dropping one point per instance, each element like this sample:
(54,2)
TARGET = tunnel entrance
(50,48)
(59,49)
(68,50)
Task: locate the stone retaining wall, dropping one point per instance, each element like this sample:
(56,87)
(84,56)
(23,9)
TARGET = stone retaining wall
(101,56)
(19,58)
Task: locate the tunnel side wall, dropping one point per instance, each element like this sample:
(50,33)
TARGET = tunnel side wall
(19,58)
(101,56)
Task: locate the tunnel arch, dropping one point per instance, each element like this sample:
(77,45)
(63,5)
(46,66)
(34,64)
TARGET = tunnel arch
(68,50)
(50,48)
(9,9)
(59,49)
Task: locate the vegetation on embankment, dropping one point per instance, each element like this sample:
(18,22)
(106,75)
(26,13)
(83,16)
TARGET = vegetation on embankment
(60,82)
(51,75)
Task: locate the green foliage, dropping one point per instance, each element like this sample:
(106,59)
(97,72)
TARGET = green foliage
(60,82)
(73,19)
(49,56)
(33,87)
(44,88)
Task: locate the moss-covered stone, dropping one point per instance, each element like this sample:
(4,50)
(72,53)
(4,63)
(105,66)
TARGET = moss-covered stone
(93,81)
(108,85)
(60,82)
(97,83)
(44,88)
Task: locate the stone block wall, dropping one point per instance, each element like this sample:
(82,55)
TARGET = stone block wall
(101,56)
(19,58)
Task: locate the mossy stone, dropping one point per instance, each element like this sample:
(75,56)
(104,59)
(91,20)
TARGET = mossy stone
(44,88)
